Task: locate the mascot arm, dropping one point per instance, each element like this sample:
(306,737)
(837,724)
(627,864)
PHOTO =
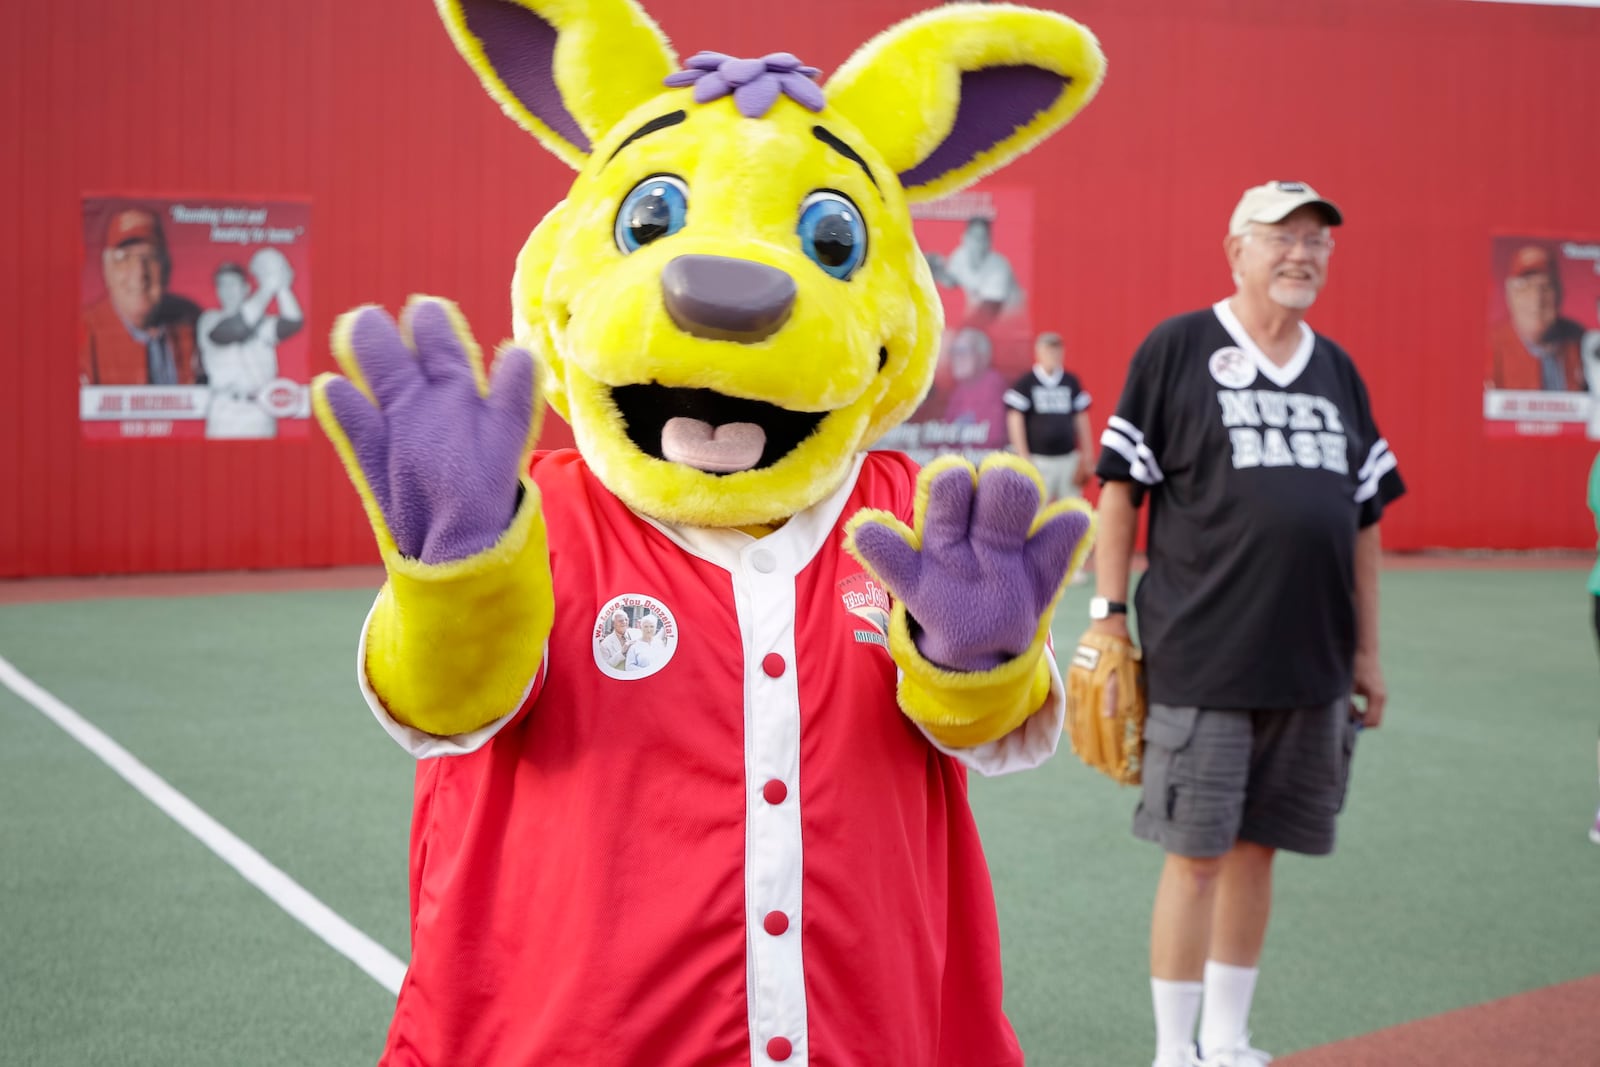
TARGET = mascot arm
(966,709)
(451,647)
(1027,745)
(975,580)
(436,452)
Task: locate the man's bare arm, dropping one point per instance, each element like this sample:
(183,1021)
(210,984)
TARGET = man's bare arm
(1113,550)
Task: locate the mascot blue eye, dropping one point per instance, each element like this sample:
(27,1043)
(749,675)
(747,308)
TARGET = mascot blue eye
(654,209)
(832,233)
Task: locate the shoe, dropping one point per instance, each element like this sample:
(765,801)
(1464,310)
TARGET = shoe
(1181,1058)
(1240,1055)
(1594,831)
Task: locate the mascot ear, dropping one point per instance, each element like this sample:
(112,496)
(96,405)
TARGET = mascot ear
(956,92)
(566,70)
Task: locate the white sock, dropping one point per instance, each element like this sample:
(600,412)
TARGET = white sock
(1177,1005)
(1229,990)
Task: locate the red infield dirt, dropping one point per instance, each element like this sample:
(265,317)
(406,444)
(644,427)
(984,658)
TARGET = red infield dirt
(1558,1026)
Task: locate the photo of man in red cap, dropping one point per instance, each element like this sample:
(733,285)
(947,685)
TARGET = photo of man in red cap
(138,333)
(1536,348)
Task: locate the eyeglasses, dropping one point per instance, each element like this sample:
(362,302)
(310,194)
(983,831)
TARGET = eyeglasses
(1317,244)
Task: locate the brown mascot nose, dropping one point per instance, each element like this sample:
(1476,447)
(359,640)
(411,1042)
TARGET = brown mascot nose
(725,299)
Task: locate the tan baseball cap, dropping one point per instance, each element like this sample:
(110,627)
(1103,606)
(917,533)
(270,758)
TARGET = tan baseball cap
(1274,201)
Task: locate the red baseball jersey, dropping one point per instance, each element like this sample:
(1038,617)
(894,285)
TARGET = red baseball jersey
(732,848)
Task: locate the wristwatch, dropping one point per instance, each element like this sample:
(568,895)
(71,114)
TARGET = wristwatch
(1101,608)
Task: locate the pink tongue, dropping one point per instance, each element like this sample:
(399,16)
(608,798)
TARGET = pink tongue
(733,446)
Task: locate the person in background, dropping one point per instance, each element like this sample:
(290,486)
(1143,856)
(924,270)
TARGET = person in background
(1253,439)
(1048,420)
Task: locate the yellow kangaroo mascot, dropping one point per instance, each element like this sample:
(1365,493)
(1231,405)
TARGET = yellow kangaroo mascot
(694,704)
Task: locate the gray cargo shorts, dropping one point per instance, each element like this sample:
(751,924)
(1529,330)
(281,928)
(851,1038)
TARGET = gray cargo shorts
(1275,778)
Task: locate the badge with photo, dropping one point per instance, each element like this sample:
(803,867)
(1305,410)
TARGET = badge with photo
(634,636)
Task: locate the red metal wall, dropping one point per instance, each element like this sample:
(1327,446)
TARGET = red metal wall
(1432,122)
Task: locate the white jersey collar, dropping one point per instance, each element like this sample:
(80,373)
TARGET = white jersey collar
(1282,376)
(787,550)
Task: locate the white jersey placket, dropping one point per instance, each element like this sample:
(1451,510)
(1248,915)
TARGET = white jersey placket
(764,597)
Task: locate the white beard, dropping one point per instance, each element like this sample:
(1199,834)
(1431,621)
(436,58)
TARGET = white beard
(1294,298)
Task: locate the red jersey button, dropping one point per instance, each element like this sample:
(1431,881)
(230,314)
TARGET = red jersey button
(773,664)
(779,1049)
(774,792)
(775,923)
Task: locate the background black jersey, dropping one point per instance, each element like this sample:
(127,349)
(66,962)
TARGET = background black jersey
(1258,479)
(1049,411)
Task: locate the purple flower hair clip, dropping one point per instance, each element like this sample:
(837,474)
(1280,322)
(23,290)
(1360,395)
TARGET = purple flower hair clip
(754,83)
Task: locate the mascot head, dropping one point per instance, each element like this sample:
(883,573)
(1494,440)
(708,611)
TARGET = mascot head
(730,302)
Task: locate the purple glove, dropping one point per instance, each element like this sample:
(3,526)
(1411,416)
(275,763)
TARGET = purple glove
(442,461)
(978,587)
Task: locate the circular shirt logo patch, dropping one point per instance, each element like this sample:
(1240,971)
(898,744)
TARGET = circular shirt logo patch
(635,635)
(1232,368)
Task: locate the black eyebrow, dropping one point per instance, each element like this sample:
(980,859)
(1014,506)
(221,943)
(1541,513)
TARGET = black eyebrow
(670,119)
(847,152)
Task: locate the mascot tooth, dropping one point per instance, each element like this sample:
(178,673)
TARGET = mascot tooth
(693,704)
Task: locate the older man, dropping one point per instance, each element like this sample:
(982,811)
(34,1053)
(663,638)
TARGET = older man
(138,333)
(1253,440)
(1537,347)
(614,646)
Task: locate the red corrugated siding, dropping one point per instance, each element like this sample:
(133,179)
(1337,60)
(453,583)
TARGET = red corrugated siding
(1433,122)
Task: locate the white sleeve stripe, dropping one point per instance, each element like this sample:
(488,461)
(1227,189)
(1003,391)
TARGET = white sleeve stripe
(1081,402)
(1378,450)
(1016,400)
(1145,458)
(1369,488)
(1142,469)
(1128,429)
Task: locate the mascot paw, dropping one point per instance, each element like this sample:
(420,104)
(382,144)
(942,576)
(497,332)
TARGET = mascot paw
(436,449)
(983,564)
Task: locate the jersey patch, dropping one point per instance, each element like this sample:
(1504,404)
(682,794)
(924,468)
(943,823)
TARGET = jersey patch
(1232,368)
(634,636)
(867,602)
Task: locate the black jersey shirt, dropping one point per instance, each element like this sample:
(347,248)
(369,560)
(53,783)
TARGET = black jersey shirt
(1258,479)
(1050,409)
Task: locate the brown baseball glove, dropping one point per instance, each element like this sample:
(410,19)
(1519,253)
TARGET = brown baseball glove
(1106,706)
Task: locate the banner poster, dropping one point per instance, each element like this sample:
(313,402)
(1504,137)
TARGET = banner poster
(979,245)
(193,318)
(1542,375)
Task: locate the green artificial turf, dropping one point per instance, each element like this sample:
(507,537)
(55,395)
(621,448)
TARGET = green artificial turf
(1463,871)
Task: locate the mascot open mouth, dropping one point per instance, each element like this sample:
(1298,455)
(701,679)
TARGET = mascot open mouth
(710,431)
